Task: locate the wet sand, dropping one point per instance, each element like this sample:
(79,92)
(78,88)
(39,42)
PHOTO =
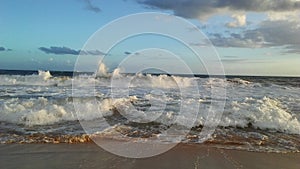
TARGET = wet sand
(183,156)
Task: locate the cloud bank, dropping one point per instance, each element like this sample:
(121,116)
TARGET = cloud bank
(281,33)
(281,29)
(203,8)
(68,51)
(59,50)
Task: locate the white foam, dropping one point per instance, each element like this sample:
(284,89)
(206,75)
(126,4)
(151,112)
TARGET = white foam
(239,81)
(103,79)
(43,78)
(102,71)
(162,81)
(42,111)
(44,74)
(34,111)
(265,113)
(117,73)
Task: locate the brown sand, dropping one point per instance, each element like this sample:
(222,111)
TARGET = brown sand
(183,156)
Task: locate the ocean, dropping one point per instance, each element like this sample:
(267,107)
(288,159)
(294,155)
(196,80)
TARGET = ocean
(259,114)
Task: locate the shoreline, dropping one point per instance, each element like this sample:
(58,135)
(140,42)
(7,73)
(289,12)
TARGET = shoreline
(183,156)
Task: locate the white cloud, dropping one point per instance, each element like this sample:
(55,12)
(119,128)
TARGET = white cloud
(239,21)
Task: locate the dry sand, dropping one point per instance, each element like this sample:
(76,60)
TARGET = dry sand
(183,156)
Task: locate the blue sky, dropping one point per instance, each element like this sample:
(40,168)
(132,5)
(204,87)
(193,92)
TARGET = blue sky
(252,37)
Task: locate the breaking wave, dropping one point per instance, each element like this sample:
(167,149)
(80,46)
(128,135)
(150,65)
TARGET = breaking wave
(41,106)
(263,114)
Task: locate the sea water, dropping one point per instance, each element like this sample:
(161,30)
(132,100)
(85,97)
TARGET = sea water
(260,113)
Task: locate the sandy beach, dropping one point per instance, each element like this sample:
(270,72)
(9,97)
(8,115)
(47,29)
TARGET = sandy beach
(183,156)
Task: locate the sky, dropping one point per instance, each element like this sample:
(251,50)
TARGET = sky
(251,37)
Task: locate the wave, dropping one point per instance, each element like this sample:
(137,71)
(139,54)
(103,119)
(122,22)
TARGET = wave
(42,99)
(102,71)
(263,114)
(45,111)
(101,79)
(43,78)
(105,78)
(44,74)
(239,81)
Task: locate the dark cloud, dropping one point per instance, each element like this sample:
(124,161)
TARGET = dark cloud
(204,43)
(243,60)
(4,49)
(260,5)
(127,53)
(202,8)
(246,39)
(91,7)
(187,8)
(69,51)
(233,60)
(243,41)
(231,57)
(236,35)
(292,49)
(59,50)
(281,33)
